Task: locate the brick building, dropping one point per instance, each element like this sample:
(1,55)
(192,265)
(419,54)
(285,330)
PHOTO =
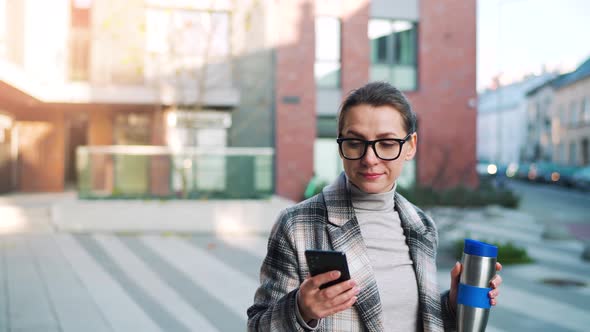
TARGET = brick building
(105,72)
(558,117)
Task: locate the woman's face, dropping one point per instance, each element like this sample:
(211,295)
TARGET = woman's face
(371,174)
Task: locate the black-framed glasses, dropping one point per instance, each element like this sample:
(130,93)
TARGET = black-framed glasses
(384,148)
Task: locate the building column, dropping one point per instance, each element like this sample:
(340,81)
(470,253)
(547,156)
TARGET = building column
(101,132)
(160,166)
(295,98)
(356,49)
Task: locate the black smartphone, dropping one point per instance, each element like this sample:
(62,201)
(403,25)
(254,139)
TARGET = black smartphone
(321,261)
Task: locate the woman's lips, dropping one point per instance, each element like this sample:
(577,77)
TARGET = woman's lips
(370,176)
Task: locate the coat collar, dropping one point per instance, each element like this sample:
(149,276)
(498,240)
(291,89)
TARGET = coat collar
(338,202)
(340,211)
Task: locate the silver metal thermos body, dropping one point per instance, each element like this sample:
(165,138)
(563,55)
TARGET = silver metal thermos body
(473,303)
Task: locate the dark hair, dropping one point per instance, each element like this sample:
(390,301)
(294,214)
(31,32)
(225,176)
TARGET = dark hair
(379,94)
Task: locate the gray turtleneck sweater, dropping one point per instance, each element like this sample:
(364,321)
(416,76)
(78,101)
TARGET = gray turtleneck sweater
(390,258)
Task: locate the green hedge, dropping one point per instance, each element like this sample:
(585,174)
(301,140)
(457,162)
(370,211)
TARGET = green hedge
(485,195)
(461,197)
(508,253)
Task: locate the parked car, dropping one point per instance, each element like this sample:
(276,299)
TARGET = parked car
(562,175)
(523,171)
(512,170)
(549,172)
(544,172)
(581,178)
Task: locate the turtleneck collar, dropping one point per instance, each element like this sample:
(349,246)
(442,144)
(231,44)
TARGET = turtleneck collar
(371,202)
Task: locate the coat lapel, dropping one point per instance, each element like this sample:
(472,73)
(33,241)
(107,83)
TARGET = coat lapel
(422,244)
(345,235)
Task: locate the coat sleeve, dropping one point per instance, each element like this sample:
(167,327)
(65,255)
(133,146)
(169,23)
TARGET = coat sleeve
(274,307)
(449,316)
(447,313)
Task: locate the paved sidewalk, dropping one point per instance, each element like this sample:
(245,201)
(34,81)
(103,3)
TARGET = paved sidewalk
(168,283)
(167,278)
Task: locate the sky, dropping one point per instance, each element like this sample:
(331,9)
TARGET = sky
(515,37)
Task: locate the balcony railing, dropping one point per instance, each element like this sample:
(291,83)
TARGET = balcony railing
(131,171)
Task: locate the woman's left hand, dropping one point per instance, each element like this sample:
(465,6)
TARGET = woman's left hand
(494,284)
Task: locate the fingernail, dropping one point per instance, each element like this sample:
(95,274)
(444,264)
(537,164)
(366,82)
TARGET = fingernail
(336,274)
(357,291)
(352,283)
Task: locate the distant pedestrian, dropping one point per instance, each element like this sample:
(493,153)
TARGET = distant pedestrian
(390,243)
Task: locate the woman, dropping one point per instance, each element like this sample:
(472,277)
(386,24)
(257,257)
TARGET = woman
(390,244)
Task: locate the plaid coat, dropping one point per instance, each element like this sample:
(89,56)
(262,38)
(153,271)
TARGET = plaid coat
(327,221)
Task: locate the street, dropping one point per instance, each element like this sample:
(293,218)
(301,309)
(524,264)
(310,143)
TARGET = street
(552,202)
(556,205)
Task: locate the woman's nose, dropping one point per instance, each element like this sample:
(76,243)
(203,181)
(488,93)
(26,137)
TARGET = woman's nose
(370,157)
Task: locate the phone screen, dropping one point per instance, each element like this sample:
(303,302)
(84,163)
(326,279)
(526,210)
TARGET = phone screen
(321,261)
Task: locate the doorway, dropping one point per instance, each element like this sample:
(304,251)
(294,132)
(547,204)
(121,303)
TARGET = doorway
(7,154)
(76,128)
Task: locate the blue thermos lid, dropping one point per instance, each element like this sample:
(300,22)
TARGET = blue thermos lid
(478,248)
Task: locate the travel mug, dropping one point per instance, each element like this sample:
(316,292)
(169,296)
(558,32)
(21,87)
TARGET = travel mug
(473,303)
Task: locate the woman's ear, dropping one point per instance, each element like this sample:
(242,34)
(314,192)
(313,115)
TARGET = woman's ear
(412,144)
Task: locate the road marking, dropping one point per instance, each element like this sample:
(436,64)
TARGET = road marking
(232,287)
(28,305)
(544,309)
(151,283)
(73,305)
(120,310)
(253,244)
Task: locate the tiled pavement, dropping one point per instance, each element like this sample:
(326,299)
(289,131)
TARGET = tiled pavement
(156,282)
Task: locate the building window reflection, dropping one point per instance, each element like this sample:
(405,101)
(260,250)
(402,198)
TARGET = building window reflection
(327,52)
(393,52)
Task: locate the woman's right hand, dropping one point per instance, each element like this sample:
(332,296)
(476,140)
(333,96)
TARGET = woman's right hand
(316,303)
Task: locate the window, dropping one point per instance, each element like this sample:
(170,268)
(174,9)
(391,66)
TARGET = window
(573,114)
(562,116)
(327,163)
(79,51)
(572,154)
(205,173)
(327,52)
(132,171)
(561,153)
(263,173)
(586,110)
(183,44)
(393,52)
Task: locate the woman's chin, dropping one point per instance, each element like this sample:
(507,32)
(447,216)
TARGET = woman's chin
(374,188)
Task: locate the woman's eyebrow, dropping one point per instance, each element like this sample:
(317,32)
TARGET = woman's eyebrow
(352,132)
(388,135)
